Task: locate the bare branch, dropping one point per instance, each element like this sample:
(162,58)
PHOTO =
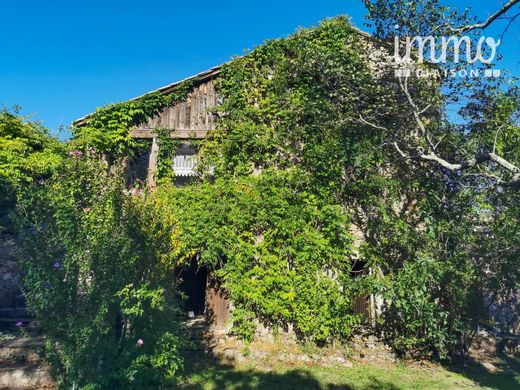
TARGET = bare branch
(504,164)
(432,156)
(454,167)
(403,154)
(481,158)
(482,25)
(439,142)
(417,114)
(425,109)
(375,126)
(496,138)
(511,21)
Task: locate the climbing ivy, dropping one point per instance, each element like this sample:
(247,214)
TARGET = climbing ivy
(281,253)
(167,149)
(108,129)
(294,107)
(303,195)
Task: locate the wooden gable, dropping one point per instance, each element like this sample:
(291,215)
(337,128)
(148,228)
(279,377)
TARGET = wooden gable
(191,118)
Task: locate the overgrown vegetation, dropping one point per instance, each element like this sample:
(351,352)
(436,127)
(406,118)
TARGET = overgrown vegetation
(306,186)
(108,129)
(292,107)
(99,276)
(27,154)
(281,253)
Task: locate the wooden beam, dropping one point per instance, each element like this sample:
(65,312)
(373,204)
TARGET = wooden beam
(152,164)
(181,134)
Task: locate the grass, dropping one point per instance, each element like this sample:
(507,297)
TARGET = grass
(506,376)
(267,374)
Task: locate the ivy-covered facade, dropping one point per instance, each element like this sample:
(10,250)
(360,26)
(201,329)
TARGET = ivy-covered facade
(297,206)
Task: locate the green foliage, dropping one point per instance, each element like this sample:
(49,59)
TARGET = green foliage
(27,154)
(412,18)
(167,149)
(296,172)
(468,227)
(108,129)
(290,104)
(413,319)
(293,106)
(281,253)
(99,277)
(291,111)
(157,369)
(493,115)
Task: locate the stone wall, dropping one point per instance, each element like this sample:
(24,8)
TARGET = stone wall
(10,276)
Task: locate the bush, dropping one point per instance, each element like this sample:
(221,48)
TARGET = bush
(99,277)
(27,154)
(414,320)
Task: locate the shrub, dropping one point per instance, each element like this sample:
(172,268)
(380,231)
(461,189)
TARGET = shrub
(99,277)
(27,154)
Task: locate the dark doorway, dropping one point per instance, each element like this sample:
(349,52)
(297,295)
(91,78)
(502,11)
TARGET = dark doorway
(136,171)
(193,286)
(358,268)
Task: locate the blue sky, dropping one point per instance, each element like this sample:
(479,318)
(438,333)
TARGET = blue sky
(61,59)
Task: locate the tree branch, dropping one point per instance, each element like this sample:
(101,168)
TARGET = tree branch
(511,20)
(482,25)
(431,155)
(375,126)
(403,154)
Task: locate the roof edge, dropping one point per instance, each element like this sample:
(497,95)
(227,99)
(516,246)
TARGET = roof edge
(199,77)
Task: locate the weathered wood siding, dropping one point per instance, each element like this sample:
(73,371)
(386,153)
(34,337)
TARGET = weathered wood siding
(191,117)
(362,306)
(218,305)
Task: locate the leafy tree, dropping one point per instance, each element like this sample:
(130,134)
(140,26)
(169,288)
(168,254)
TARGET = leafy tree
(27,154)
(488,107)
(476,152)
(99,276)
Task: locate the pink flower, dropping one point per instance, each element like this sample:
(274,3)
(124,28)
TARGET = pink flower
(19,324)
(76,153)
(87,209)
(140,342)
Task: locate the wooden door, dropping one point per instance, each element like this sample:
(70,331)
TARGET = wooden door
(218,305)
